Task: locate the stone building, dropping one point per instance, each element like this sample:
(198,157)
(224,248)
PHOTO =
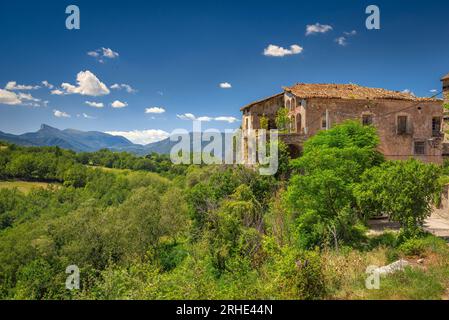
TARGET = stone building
(445,82)
(408,126)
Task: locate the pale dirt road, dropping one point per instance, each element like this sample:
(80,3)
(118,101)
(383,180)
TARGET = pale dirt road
(438,224)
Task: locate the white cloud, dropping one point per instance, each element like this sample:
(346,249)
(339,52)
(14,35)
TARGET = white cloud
(57,92)
(160,93)
(24,99)
(351,33)
(190,116)
(317,28)
(204,119)
(87,84)
(93,54)
(103,52)
(48,85)
(94,104)
(225,85)
(28,97)
(227,119)
(154,110)
(142,136)
(434,91)
(118,104)
(60,114)
(341,41)
(127,87)
(9,98)
(276,51)
(109,53)
(12,85)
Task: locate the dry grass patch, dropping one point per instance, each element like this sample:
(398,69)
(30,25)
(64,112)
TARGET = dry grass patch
(25,186)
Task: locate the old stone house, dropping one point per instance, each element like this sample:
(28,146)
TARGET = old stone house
(408,126)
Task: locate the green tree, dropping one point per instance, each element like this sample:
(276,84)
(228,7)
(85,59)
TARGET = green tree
(263,122)
(282,120)
(403,190)
(321,191)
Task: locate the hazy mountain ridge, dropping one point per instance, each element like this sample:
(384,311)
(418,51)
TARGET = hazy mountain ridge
(87,141)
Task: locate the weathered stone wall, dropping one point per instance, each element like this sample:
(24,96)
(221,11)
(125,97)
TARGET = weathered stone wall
(312,115)
(446,90)
(384,114)
(267,107)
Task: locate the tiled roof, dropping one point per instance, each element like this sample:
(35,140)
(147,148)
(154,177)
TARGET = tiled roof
(260,101)
(445,77)
(349,91)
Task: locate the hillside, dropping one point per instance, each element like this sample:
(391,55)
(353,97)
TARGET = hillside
(86,141)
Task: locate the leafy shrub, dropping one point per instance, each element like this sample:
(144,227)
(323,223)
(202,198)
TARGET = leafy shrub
(413,247)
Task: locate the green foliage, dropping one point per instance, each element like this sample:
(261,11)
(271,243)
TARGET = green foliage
(282,120)
(403,190)
(263,122)
(321,193)
(199,232)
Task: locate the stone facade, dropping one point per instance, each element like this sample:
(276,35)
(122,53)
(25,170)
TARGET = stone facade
(407,126)
(445,83)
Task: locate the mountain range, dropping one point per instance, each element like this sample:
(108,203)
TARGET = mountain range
(86,141)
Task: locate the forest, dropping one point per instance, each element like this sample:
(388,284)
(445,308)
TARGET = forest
(143,228)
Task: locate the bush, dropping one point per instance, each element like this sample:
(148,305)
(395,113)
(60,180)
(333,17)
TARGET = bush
(413,247)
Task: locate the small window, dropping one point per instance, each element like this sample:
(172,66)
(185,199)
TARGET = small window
(402,124)
(436,126)
(323,123)
(367,119)
(246,124)
(420,148)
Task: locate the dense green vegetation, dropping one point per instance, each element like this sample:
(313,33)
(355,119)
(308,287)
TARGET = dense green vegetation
(159,231)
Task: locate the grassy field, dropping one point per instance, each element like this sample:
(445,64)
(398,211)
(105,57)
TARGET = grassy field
(113,170)
(24,186)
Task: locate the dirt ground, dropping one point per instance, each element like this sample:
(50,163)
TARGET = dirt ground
(438,224)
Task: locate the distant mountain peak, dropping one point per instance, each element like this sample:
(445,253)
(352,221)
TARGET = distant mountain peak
(47,127)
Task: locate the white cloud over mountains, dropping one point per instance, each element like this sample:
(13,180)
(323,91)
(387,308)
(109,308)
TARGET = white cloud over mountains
(277,51)
(87,84)
(192,117)
(60,114)
(9,98)
(142,136)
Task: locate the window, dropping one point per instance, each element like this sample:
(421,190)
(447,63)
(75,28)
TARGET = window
(246,123)
(367,119)
(420,148)
(436,126)
(323,123)
(402,124)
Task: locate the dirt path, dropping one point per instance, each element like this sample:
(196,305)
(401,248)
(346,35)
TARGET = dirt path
(438,224)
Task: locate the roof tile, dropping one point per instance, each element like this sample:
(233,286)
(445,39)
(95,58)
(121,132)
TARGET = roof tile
(349,91)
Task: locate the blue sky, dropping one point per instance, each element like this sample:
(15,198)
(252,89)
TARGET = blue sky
(176,54)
